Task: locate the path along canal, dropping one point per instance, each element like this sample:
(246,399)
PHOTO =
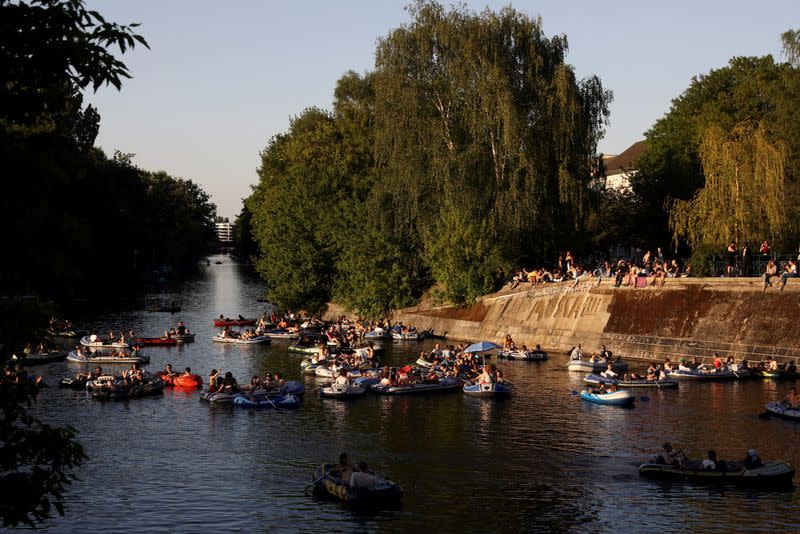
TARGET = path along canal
(542,460)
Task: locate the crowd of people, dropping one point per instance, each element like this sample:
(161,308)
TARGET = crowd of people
(655,268)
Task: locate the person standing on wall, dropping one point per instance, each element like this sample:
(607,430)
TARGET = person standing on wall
(747,261)
(731,259)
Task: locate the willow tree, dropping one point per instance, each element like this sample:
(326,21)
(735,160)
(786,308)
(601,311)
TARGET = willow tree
(745,188)
(481,113)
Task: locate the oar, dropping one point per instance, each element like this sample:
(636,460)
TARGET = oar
(320,478)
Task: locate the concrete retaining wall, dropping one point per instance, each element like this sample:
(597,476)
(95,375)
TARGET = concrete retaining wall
(686,317)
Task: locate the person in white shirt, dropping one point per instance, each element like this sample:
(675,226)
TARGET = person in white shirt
(609,373)
(576,353)
(710,463)
(342,379)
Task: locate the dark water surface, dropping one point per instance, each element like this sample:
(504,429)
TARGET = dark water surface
(542,460)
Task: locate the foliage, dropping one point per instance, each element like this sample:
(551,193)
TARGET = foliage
(747,89)
(53,48)
(35,459)
(243,240)
(790,41)
(472,132)
(702,259)
(744,195)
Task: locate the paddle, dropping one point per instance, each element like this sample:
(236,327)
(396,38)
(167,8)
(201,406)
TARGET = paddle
(320,478)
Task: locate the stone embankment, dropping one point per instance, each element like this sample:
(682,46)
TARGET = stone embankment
(686,317)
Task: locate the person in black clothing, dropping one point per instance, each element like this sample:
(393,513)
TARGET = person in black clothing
(747,261)
(731,259)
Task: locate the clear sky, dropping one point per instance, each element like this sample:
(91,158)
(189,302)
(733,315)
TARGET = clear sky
(221,78)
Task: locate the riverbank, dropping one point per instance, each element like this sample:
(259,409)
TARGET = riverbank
(686,317)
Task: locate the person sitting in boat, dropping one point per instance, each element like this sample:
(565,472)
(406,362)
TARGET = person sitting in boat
(255,383)
(432,377)
(345,469)
(576,353)
(683,367)
(181,330)
(671,455)
(710,463)
(751,459)
(773,364)
(791,367)
(342,380)
(364,478)
(717,363)
(488,374)
(508,343)
(229,384)
(499,378)
(278,382)
(792,399)
(214,380)
(168,372)
(609,372)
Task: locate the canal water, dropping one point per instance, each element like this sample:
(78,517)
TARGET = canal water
(542,460)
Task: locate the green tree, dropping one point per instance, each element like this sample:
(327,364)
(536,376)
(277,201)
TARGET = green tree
(483,112)
(747,89)
(36,459)
(744,195)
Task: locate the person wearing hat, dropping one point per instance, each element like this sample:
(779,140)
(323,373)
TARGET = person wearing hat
(751,460)
(682,366)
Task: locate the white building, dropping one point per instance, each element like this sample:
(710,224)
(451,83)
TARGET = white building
(225,232)
(620,169)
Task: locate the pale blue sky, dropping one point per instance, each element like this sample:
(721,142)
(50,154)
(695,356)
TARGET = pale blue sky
(222,77)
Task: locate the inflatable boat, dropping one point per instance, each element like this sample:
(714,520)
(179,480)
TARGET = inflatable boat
(771,473)
(155,341)
(442,386)
(599,379)
(494,389)
(781,409)
(95,342)
(378,333)
(219,323)
(408,336)
(703,376)
(181,381)
(529,355)
(254,401)
(258,340)
(120,390)
(371,488)
(779,374)
(338,391)
(72,383)
(183,338)
(615,398)
(281,333)
(106,357)
(219,397)
(35,358)
(587,366)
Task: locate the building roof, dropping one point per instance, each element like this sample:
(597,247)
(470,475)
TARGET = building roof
(626,161)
